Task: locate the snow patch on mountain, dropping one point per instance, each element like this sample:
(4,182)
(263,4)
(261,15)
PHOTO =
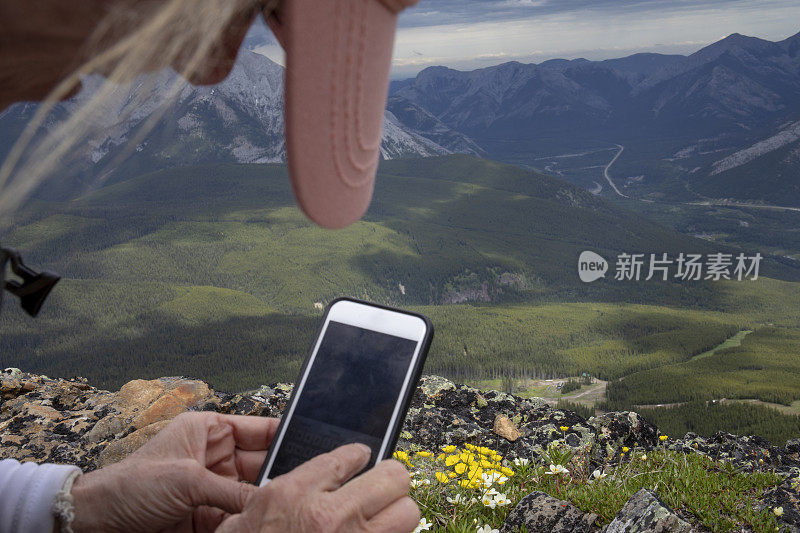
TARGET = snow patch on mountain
(784,138)
(397,142)
(240,119)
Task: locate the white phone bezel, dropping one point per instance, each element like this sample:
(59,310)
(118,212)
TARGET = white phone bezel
(367,317)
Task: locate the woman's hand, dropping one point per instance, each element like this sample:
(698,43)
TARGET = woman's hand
(187,478)
(190,477)
(319,497)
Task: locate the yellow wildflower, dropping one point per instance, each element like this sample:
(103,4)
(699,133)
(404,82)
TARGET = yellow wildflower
(424,454)
(402,456)
(442,477)
(450,460)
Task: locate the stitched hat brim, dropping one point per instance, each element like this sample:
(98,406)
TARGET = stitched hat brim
(338,56)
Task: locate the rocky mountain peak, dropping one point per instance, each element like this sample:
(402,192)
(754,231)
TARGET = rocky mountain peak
(57,420)
(44,419)
(792,45)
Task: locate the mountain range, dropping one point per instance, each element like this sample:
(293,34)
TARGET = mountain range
(239,120)
(722,123)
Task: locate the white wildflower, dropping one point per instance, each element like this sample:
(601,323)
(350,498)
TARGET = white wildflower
(501,500)
(423,525)
(556,470)
(520,462)
(419,482)
(457,500)
(489,502)
(597,475)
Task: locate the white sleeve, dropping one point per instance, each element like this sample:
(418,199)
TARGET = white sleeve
(27,493)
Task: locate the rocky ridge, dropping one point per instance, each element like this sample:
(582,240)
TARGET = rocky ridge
(68,421)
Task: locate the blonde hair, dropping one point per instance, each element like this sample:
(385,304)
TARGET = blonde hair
(182,33)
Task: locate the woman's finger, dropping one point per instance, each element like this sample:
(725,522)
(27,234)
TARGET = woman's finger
(248,464)
(207,488)
(331,470)
(377,488)
(252,432)
(401,516)
(207,519)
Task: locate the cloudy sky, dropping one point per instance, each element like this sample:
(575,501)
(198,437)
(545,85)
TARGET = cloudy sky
(470,34)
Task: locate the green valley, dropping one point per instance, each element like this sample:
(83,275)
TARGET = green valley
(210,271)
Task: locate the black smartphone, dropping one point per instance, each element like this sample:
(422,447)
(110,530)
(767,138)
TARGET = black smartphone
(355,385)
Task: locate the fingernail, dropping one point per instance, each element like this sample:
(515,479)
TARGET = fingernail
(364,447)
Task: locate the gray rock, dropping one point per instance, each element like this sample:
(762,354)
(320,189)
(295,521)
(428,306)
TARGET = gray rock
(105,428)
(787,497)
(793,446)
(13,373)
(617,429)
(646,513)
(433,385)
(541,513)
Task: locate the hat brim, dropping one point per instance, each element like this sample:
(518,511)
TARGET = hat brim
(338,56)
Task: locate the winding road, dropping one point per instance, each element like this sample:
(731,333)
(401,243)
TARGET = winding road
(721,203)
(608,166)
(724,203)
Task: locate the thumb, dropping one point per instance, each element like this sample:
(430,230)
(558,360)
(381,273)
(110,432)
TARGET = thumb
(221,492)
(331,470)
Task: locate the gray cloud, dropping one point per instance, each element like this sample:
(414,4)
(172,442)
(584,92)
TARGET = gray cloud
(442,12)
(470,34)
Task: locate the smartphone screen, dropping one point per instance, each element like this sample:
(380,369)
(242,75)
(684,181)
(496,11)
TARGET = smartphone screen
(350,393)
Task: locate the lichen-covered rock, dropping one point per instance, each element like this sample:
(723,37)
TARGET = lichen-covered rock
(119,449)
(646,513)
(541,513)
(12,373)
(433,385)
(618,429)
(175,397)
(751,452)
(67,420)
(793,447)
(785,497)
(453,414)
(138,394)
